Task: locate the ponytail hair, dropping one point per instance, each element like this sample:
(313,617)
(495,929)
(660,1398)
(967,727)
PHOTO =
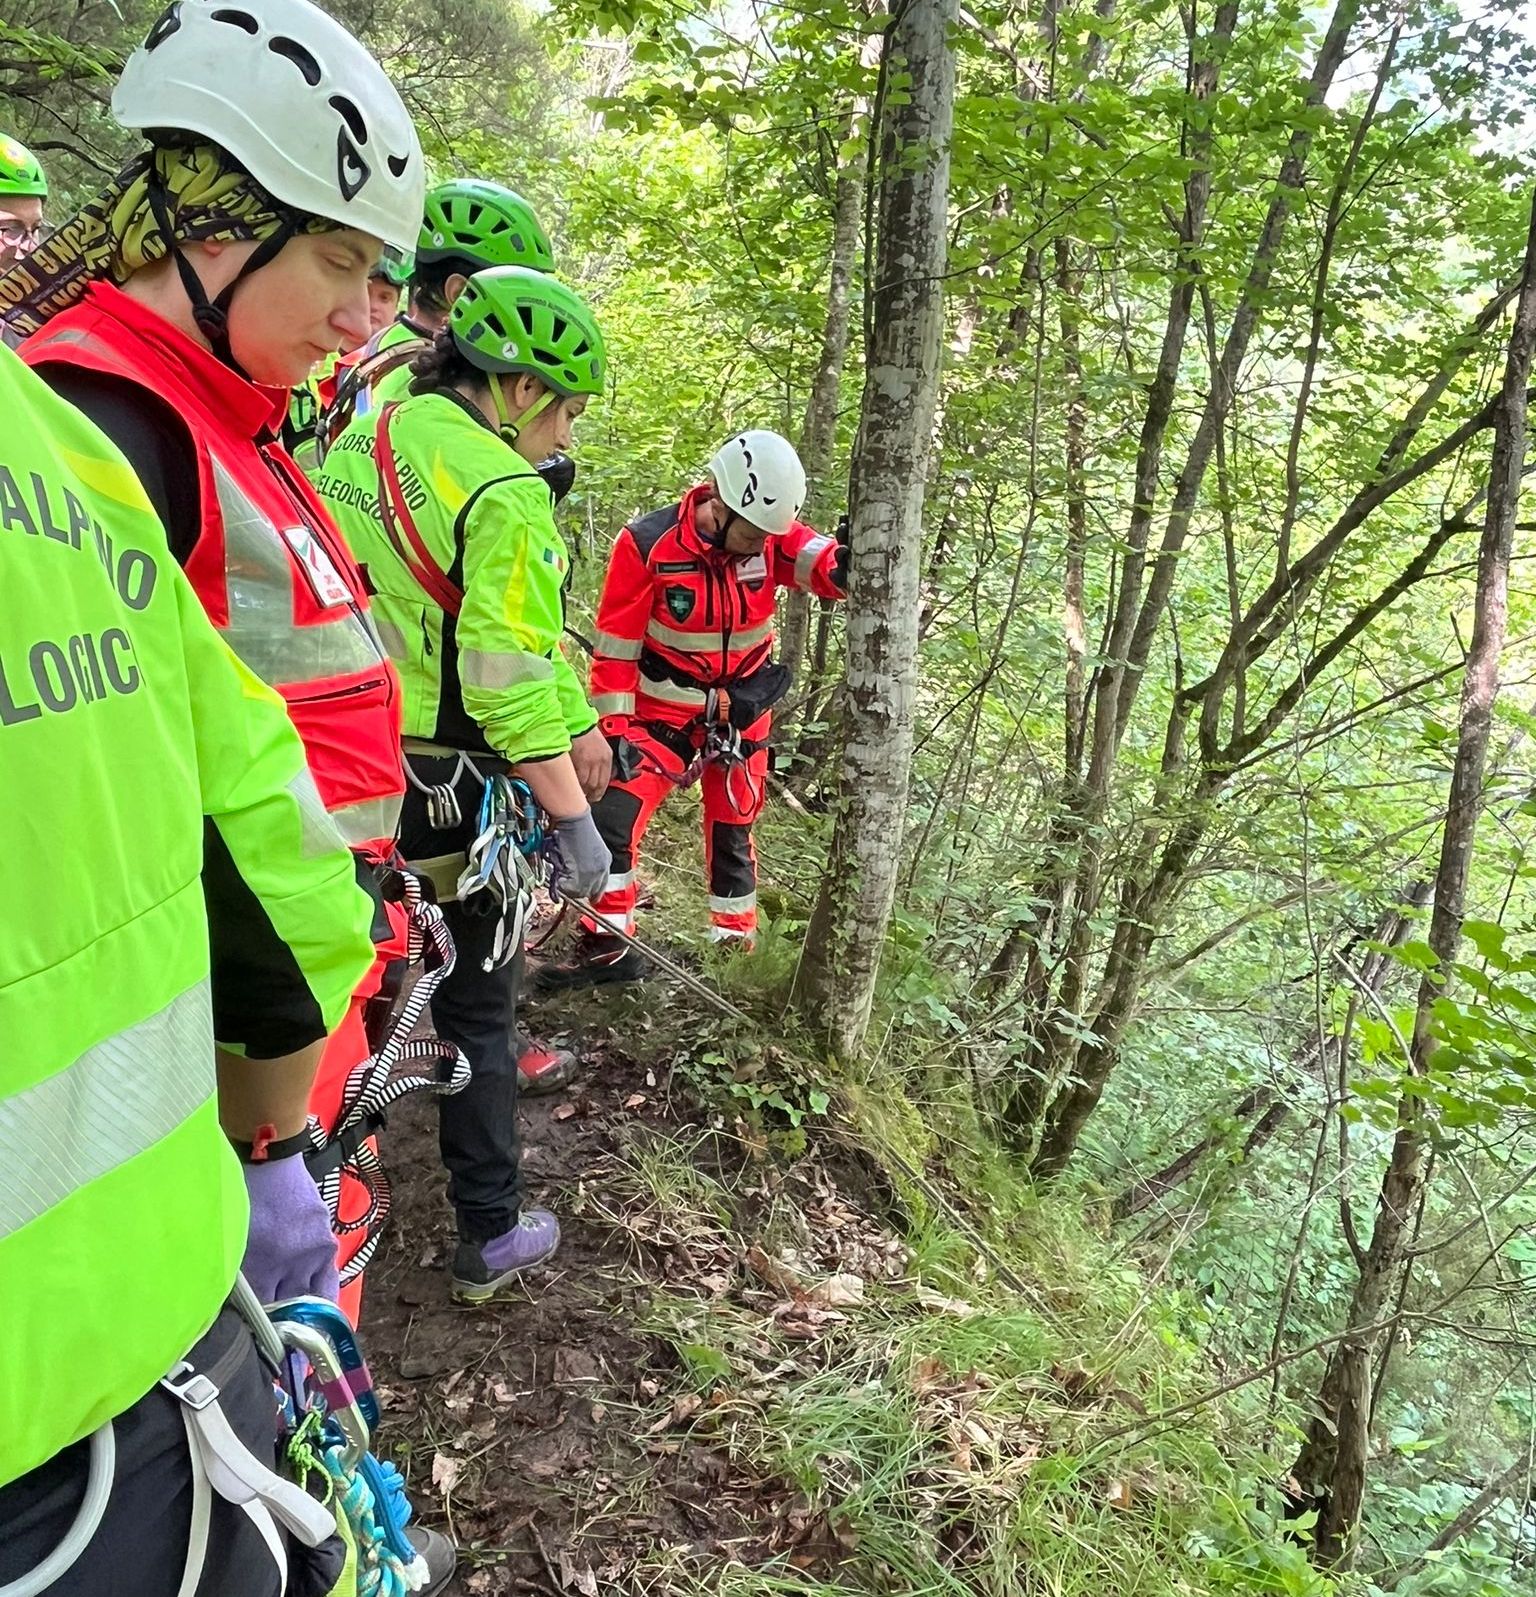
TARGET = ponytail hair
(441,365)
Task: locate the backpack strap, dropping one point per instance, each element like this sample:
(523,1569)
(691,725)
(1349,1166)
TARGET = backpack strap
(354,380)
(400,526)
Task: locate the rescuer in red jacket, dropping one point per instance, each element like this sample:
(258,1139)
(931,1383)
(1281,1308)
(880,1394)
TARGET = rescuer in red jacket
(684,680)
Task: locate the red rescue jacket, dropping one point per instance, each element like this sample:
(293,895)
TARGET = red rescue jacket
(677,615)
(270,568)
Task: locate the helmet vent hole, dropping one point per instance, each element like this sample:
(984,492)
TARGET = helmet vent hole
(397,164)
(295,52)
(169,21)
(350,114)
(493,321)
(238,19)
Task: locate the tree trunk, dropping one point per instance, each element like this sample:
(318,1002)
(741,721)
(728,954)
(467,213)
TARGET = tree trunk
(846,936)
(1332,1465)
(819,434)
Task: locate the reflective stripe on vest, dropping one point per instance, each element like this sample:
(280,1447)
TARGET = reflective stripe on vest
(488,668)
(617,648)
(368,820)
(259,575)
(614,703)
(699,642)
(670,692)
(392,637)
(113,1103)
(805,561)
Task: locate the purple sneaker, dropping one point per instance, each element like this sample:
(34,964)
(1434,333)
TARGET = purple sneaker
(480,1272)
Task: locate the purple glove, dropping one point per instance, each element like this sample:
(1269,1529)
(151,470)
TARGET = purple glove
(290,1251)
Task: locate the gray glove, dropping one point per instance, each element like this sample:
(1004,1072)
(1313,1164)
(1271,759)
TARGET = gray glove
(582,860)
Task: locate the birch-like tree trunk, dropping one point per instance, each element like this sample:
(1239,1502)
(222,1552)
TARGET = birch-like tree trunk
(1331,1467)
(819,433)
(890,467)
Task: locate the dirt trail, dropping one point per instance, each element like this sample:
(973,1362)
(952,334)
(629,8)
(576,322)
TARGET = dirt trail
(525,1427)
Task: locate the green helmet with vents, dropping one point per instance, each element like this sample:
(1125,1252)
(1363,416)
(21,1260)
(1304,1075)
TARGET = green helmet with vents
(394,266)
(21,176)
(512,319)
(483,223)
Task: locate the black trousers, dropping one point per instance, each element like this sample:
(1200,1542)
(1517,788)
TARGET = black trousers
(140,1547)
(476,1009)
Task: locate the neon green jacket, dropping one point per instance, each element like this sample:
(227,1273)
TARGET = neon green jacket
(496,678)
(124,719)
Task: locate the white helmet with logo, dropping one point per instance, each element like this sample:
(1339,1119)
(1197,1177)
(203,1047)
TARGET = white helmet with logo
(759,475)
(288,92)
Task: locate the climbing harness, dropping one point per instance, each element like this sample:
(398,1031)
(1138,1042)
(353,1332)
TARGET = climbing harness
(720,729)
(403,1063)
(222,1464)
(93,1508)
(506,860)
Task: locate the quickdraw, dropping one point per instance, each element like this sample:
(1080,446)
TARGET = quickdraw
(505,861)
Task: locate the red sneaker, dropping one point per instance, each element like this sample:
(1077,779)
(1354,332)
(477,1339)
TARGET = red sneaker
(541,1070)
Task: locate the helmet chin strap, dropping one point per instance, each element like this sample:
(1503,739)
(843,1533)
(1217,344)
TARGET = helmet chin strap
(716,539)
(212,315)
(508,428)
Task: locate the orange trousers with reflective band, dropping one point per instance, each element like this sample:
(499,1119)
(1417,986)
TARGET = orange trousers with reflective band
(733,798)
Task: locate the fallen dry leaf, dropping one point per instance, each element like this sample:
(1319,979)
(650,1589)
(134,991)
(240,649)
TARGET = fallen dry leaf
(683,1408)
(1118,1495)
(777,1274)
(928,1372)
(445,1471)
(562,1111)
(635,1100)
(943,1305)
(577,1577)
(837,1292)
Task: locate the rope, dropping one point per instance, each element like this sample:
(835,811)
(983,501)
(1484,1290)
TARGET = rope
(389,1075)
(672,968)
(1000,1267)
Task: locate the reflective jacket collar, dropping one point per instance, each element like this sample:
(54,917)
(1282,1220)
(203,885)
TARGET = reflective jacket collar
(252,411)
(516,465)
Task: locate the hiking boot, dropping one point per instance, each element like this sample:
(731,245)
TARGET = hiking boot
(542,1070)
(593,960)
(480,1271)
(435,1551)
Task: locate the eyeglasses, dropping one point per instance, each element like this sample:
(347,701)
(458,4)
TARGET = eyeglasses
(18,236)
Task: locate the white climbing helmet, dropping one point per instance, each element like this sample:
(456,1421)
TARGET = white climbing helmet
(294,98)
(759,475)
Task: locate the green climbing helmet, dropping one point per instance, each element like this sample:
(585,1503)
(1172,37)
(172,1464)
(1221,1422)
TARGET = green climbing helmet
(395,266)
(484,223)
(20,174)
(512,319)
